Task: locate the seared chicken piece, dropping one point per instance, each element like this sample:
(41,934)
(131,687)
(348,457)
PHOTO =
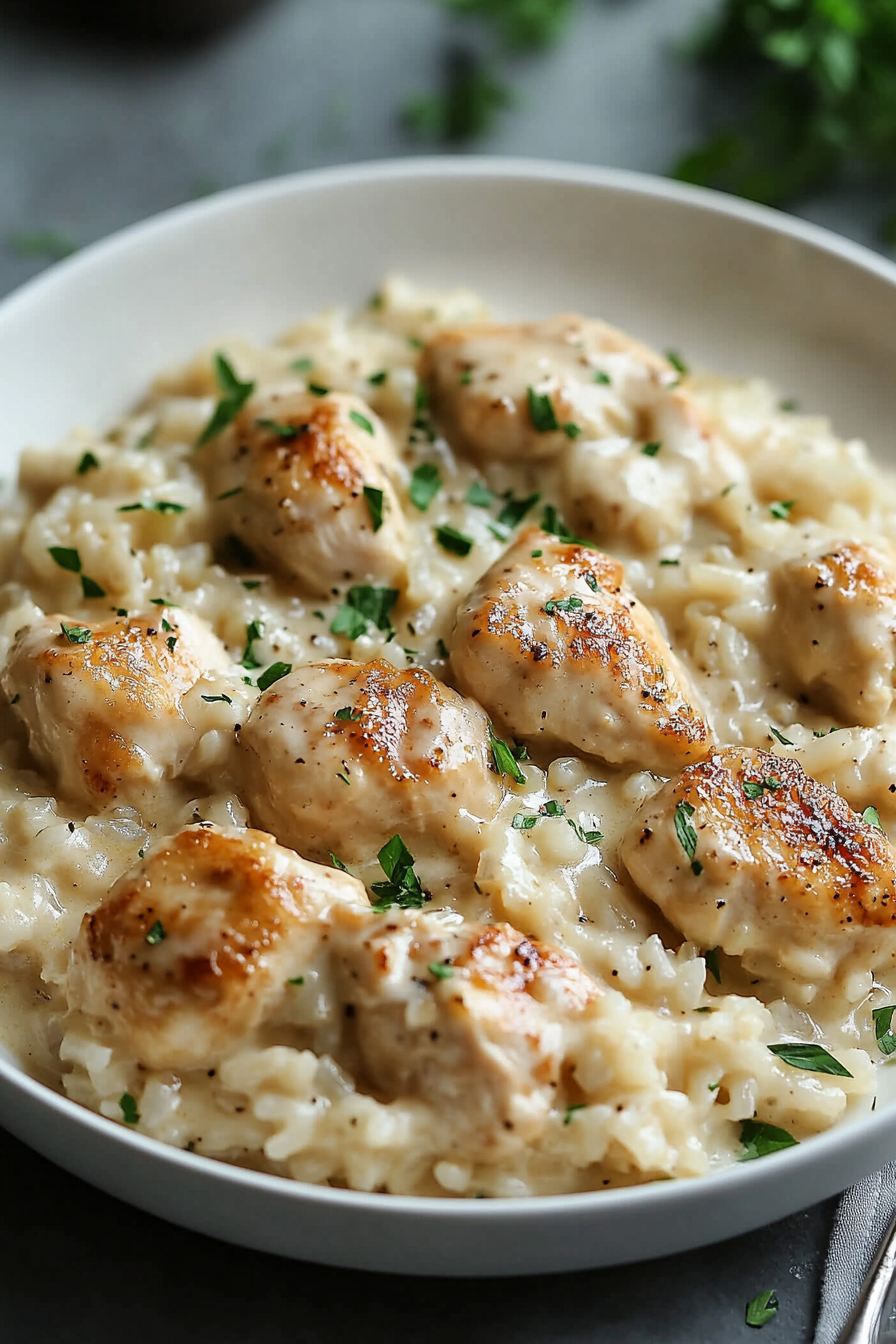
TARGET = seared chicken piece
(314,494)
(581,372)
(836,630)
(103,702)
(746,852)
(339,756)
(192,949)
(467,1017)
(559,652)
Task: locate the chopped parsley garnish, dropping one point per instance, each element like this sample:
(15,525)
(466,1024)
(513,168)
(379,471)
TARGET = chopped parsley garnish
(171,641)
(552,522)
(503,758)
(163,602)
(76,634)
(883,1033)
(349,715)
(282,431)
(166,624)
(651,449)
(711,958)
(46,243)
(415,343)
(515,510)
(296,980)
(362,422)
(562,604)
(781,508)
(541,410)
(251,584)
(813,1058)
(785,741)
(788,405)
(466,378)
(156,934)
(755,788)
(440,970)
(402,886)
(374,498)
(337,863)
(666,561)
(571,1110)
(677,363)
(16,698)
(586,837)
(146,439)
(273,673)
(233,398)
(451,540)
(523,823)
(480,495)
(66,558)
(759,1139)
(377,379)
(303,365)
(871,817)
(552,809)
(229,494)
(129,1113)
(426,482)
(571,430)
(442,649)
(90,587)
(591,580)
(421,404)
(687,835)
(89,462)
(254,631)
(157,506)
(363,604)
(761,1309)
(536,555)
(213,699)
(318,390)
(601,377)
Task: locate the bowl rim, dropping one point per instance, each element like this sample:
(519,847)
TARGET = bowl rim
(661,1194)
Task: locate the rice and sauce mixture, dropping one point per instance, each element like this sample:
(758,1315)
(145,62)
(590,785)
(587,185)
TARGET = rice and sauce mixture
(451,758)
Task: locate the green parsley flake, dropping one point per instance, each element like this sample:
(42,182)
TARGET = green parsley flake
(374,498)
(213,699)
(425,484)
(337,863)
(541,411)
(274,673)
(282,430)
(601,377)
(156,934)
(755,788)
(229,494)
(536,555)
(362,422)
(233,398)
(451,540)
(761,1309)
(76,634)
(402,886)
(591,580)
(318,390)
(523,823)
(363,604)
(254,631)
(788,405)
(813,1058)
(666,561)
(572,431)
(552,522)
(89,462)
(251,584)
(90,587)
(129,1113)
(562,604)
(480,495)
(759,1139)
(651,449)
(871,817)
(442,649)
(571,1110)
(687,835)
(171,641)
(157,506)
(466,378)
(163,602)
(552,809)
(785,741)
(349,715)
(677,363)
(503,758)
(440,970)
(711,958)
(781,508)
(515,510)
(883,1034)
(586,837)
(303,365)
(66,557)
(377,379)
(296,980)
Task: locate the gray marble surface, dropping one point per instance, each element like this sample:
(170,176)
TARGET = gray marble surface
(94,136)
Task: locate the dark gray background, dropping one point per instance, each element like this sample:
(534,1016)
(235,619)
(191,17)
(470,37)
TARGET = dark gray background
(95,135)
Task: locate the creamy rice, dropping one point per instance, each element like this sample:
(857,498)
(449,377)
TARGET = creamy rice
(669,1084)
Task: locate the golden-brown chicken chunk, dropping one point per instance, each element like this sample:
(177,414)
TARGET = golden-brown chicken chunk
(746,852)
(339,756)
(507,393)
(314,497)
(191,950)
(467,1017)
(103,702)
(836,630)
(559,652)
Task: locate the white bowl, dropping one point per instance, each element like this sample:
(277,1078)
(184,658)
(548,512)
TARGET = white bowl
(737,288)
